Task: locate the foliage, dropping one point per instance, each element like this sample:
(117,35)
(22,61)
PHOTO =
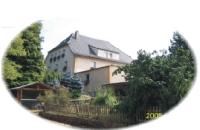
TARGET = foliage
(73,82)
(11,70)
(24,62)
(75,93)
(58,96)
(106,97)
(33,64)
(158,79)
(52,78)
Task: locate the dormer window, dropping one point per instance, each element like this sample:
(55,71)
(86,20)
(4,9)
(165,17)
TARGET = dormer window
(103,53)
(93,50)
(108,54)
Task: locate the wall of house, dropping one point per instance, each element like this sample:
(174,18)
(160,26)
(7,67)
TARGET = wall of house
(85,63)
(99,77)
(116,78)
(59,65)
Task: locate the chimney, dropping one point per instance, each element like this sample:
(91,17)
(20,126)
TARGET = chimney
(76,35)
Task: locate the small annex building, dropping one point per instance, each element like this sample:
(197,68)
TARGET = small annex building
(27,94)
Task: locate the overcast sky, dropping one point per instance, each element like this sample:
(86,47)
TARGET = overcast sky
(127,36)
(129,26)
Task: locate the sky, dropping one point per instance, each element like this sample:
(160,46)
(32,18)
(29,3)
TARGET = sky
(127,37)
(129,25)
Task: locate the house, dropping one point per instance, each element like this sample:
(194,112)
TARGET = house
(94,79)
(93,60)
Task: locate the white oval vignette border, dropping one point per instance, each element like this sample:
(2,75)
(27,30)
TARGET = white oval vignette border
(16,15)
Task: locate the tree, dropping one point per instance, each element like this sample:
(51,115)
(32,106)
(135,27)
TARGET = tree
(12,66)
(73,82)
(158,80)
(33,64)
(182,67)
(24,62)
(52,78)
(11,72)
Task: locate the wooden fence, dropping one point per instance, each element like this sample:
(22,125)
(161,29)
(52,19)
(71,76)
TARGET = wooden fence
(150,113)
(102,113)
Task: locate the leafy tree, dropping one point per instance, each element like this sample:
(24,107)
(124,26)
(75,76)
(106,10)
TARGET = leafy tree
(12,60)
(24,62)
(52,78)
(33,64)
(158,80)
(11,72)
(182,67)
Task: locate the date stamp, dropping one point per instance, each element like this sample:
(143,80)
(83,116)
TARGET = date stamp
(152,115)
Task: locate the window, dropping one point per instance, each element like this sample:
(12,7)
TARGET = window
(64,68)
(87,81)
(66,63)
(58,58)
(63,55)
(50,60)
(102,53)
(54,59)
(108,54)
(111,55)
(115,56)
(93,50)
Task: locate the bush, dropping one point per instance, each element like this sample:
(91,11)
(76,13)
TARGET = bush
(59,96)
(106,97)
(75,93)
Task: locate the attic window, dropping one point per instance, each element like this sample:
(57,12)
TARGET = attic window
(103,53)
(108,54)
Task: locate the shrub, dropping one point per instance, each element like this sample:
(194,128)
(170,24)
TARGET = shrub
(75,93)
(106,97)
(58,96)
